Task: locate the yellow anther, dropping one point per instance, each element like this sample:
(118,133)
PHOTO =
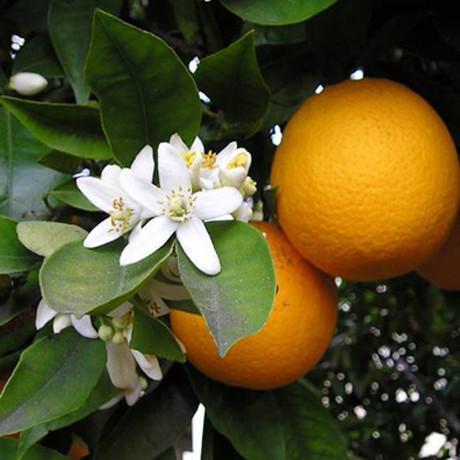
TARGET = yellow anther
(239,161)
(209,160)
(189,157)
(120,215)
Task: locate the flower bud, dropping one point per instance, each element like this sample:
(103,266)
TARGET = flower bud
(28,83)
(118,338)
(105,333)
(258,213)
(249,187)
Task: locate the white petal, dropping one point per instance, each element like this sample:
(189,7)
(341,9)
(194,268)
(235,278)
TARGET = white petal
(149,365)
(150,238)
(214,203)
(243,213)
(169,291)
(84,326)
(176,141)
(208,184)
(44,314)
(133,395)
(101,234)
(143,165)
(170,269)
(121,366)
(28,83)
(145,193)
(121,310)
(196,243)
(225,218)
(233,177)
(197,146)
(61,321)
(173,172)
(98,192)
(110,175)
(112,402)
(226,153)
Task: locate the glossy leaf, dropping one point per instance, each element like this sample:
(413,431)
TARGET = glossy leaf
(79,280)
(130,71)
(72,41)
(62,162)
(152,336)
(13,340)
(236,302)
(14,257)
(286,424)
(69,128)
(232,79)
(43,238)
(69,194)
(23,183)
(66,363)
(154,424)
(279,12)
(8,451)
(37,55)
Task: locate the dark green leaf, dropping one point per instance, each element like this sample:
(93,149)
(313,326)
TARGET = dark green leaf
(286,424)
(130,71)
(276,35)
(169,454)
(23,182)
(232,79)
(278,12)
(154,424)
(8,451)
(14,257)
(31,15)
(69,194)
(216,446)
(187,20)
(17,337)
(43,238)
(62,162)
(37,55)
(62,364)
(69,128)
(71,41)
(152,336)
(78,280)
(236,302)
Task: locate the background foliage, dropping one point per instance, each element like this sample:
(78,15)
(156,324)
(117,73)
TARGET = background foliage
(391,376)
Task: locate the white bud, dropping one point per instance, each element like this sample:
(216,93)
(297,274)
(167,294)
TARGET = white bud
(118,338)
(249,187)
(105,333)
(28,83)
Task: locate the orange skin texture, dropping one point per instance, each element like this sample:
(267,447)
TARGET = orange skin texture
(368,180)
(294,339)
(443,269)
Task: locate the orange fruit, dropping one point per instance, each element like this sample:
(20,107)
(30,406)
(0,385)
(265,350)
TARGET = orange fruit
(443,268)
(292,341)
(368,180)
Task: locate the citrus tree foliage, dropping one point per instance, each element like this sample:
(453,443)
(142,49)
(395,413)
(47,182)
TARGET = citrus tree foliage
(126,73)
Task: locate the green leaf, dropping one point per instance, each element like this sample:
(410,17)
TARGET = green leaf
(23,182)
(69,128)
(43,238)
(154,424)
(187,20)
(276,35)
(152,336)
(232,79)
(37,55)
(69,194)
(14,257)
(17,337)
(64,364)
(286,424)
(78,280)
(236,302)
(279,12)
(62,162)
(71,42)
(131,71)
(8,451)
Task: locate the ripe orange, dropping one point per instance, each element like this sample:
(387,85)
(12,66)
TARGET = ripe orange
(368,180)
(443,269)
(294,339)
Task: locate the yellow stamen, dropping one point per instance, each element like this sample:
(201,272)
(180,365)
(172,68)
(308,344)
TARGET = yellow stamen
(189,157)
(120,215)
(240,160)
(209,160)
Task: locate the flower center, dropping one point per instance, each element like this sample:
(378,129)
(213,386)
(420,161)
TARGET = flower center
(180,205)
(189,158)
(239,161)
(209,160)
(120,215)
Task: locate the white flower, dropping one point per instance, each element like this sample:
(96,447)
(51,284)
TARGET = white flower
(81,324)
(192,156)
(244,212)
(178,211)
(28,83)
(107,194)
